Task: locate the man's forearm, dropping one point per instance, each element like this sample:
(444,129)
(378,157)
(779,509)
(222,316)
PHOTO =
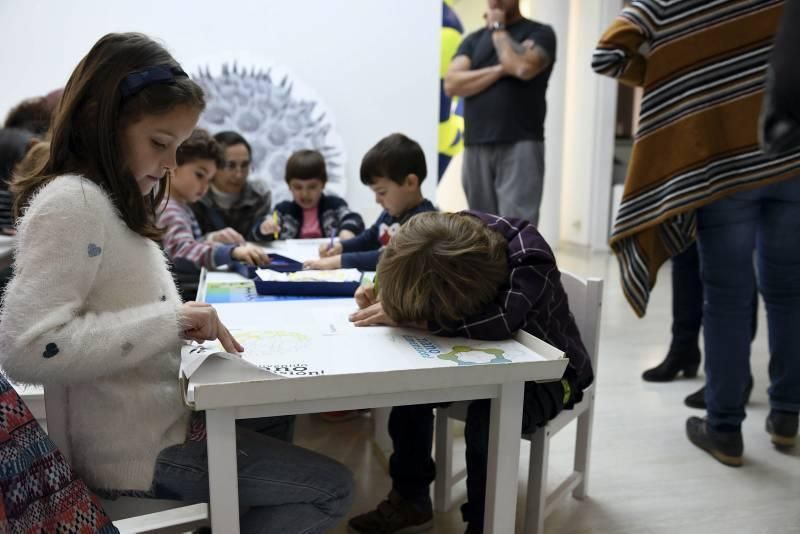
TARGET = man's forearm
(512,56)
(471,82)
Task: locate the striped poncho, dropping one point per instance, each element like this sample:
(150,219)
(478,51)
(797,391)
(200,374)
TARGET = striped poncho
(702,65)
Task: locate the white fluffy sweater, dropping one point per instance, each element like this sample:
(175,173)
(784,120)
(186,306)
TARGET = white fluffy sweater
(92,307)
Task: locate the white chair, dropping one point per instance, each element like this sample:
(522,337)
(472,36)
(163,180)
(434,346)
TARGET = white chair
(585,301)
(129,514)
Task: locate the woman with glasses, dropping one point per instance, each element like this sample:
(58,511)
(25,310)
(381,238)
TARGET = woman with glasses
(232,204)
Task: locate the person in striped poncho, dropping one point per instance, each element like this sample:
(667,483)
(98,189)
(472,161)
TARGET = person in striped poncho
(697,172)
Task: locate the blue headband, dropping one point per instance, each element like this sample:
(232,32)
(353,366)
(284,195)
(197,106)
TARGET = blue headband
(136,81)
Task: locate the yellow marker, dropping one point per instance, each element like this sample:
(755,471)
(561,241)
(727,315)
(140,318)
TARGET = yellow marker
(275,220)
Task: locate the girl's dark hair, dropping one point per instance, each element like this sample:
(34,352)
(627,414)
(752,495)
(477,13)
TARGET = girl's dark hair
(305,165)
(14,144)
(92,113)
(201,145)
(229,138)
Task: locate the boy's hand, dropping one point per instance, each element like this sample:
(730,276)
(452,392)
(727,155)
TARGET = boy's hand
(326,250)
(346,234)
(251,255)
(365,296)
(324,264)
(269,227)
(372,315)
(200,323)
(226,235)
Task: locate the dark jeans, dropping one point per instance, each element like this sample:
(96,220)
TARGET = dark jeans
(687,301)
(411,428)
(282,488)
(765,220)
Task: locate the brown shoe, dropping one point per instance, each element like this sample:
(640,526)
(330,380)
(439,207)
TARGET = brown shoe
(395,515)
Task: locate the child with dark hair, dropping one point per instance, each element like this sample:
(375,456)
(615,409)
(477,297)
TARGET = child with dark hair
(33,114)
(232,201)
(198,159)
(311,213)
(394,169)
(479,276)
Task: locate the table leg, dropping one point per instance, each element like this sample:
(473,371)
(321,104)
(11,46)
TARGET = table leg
(502,470)
(222,472)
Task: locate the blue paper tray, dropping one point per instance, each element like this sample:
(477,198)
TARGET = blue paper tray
(281,264)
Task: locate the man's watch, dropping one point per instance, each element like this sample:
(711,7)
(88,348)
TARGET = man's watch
(495,26)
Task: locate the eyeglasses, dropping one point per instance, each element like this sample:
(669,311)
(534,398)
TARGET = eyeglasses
(233,166)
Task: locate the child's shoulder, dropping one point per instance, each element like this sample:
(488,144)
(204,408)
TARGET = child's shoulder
(70,191)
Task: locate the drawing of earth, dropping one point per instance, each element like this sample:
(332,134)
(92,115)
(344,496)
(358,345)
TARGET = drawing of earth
(466,355)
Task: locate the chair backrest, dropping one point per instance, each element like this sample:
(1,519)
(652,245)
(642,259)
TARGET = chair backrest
(585,302)
(55,403)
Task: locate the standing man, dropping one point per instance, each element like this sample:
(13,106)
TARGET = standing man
(501,71)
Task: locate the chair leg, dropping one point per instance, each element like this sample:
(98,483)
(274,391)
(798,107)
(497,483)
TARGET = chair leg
(583,446)
(442,487)
(537,482)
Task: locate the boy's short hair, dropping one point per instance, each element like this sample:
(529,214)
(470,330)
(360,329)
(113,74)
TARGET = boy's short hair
(200,145)
(394,157)
(306,165)
(442,267)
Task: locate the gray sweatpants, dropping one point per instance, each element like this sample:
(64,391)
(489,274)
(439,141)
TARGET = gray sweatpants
(505,179)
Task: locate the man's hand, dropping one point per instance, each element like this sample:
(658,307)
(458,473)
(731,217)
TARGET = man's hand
(324,264)
(495,15)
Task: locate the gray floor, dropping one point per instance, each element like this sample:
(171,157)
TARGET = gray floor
(645,476)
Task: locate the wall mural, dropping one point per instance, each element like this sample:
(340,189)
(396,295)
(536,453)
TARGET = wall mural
(451,110)
(277,114)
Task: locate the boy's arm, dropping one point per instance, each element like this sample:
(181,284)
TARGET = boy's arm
(349,220)
(366,240)
(363,261)
(179,243)
(263,211)
(619,53)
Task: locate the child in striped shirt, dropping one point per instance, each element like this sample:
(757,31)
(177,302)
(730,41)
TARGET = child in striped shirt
(198,159)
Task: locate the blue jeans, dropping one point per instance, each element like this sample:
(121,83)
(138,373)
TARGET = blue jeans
(765,220)
(282,487)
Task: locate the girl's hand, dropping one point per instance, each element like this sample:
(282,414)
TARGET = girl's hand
(251,255)
(324,264)
(226,235)
(346,234)
(326,250)
(200,323)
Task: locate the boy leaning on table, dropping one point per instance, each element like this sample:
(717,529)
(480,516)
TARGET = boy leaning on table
(479,276)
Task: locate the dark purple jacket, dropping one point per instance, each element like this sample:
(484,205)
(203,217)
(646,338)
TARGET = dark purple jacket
(532,299)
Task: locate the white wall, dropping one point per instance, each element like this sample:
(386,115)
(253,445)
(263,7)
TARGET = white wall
(589,121)
(374,64)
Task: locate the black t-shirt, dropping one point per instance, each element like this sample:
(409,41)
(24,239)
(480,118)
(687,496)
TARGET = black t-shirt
(511,109)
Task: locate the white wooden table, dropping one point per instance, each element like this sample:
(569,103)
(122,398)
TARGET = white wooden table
(342,373)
